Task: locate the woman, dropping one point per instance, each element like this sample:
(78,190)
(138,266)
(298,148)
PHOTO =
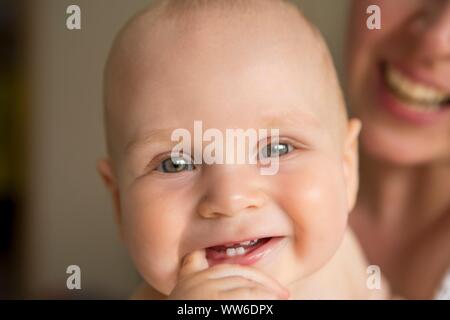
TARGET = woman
(398,84)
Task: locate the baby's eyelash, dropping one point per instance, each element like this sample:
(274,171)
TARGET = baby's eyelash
(175,164)
(285,149)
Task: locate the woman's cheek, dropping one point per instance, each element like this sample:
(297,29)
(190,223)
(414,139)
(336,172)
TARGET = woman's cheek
(315,199)
(153,224)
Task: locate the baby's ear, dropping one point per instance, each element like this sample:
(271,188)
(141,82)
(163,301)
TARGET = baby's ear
(351,161)
(105,169)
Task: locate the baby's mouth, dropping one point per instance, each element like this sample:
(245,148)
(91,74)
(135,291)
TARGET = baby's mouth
(232,249)
(243,252)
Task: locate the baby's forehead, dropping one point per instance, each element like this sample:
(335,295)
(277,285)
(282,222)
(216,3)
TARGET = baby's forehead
(157,33)
(152,56)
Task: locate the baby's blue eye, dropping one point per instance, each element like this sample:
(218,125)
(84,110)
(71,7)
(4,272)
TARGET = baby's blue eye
(175,164)
(276,150)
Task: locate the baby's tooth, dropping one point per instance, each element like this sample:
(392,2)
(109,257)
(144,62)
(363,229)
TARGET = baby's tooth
(231,252)
(240,250)
(246,243)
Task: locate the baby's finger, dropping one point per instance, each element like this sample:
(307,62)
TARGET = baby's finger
(226,270)
(192,263)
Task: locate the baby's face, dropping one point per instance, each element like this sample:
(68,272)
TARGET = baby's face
(231,75)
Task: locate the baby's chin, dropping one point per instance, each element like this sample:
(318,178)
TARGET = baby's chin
(162,285)
(161,277)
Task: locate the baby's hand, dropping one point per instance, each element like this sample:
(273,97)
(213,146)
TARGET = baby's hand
(224,282)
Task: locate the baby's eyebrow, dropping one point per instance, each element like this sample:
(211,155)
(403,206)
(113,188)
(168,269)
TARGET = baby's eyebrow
(280,119)
(294,118)
(157,136)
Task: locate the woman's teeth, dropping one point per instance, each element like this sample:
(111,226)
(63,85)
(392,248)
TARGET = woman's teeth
(419,96)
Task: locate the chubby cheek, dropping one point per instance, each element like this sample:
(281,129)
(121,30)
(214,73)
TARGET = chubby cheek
(314,196)
(153,225)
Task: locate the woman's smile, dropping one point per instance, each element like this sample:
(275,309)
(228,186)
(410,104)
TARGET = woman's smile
(409,98)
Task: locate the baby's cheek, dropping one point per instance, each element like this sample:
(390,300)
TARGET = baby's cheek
(153,226)
(315,200)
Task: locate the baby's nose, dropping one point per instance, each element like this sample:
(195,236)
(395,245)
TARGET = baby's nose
(230,189)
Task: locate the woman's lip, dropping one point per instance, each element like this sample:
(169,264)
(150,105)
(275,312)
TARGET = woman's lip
(248,258)
(400,109)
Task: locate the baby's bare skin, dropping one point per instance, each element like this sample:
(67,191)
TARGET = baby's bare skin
(349,258)
(263,66)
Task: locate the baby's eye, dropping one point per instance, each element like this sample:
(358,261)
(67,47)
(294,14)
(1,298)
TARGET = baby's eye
(175,164)
(275,150)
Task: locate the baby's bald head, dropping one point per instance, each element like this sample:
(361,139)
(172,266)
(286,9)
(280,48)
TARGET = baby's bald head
(166,55)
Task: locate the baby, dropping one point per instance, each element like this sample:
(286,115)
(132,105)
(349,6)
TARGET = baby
(226,231)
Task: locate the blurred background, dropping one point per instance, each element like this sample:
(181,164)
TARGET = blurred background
(54,210)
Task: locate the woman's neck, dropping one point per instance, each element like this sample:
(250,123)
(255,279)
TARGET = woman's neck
(391,193)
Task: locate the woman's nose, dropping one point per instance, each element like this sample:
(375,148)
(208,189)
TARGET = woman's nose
(229,190)
(431,29)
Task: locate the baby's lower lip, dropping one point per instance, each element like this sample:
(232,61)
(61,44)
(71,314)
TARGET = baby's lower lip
(250,256)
